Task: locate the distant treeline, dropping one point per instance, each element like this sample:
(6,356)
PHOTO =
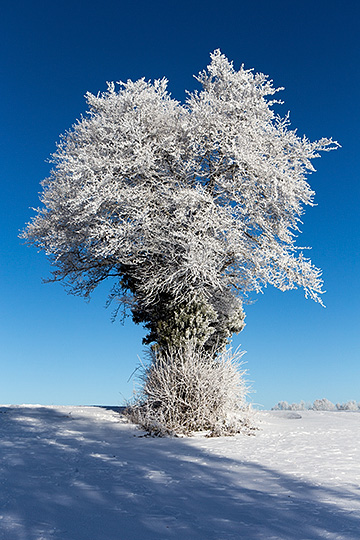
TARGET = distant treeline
(318,405)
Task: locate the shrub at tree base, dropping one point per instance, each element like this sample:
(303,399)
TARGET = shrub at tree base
(186,390)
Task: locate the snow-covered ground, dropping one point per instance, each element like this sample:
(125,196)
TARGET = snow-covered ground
(84,473)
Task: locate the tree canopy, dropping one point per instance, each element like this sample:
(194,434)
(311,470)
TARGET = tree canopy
(188,207)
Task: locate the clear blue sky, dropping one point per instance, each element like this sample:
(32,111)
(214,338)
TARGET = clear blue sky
(58,349)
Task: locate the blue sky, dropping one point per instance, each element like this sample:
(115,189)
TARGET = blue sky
(58,349)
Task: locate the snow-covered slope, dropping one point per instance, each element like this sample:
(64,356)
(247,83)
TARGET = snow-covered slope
(84,473)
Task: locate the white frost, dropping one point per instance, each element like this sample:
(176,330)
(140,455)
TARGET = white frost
(202,196)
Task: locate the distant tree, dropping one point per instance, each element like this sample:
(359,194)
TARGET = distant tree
(285,406)
(348,406)
(323,405)
(188,207)
(281,406)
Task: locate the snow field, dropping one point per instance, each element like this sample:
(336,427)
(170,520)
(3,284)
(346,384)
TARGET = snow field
(84,473)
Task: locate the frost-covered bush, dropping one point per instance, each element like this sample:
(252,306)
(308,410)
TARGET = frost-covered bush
(323,405)
(187,390)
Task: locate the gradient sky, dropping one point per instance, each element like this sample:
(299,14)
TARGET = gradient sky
(58,349)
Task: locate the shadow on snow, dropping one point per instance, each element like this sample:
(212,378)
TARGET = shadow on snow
(66,477)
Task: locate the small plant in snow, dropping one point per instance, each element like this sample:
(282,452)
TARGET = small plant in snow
(186,390)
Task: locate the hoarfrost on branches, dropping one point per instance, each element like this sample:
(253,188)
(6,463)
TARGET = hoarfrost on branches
(184,390)
(183,204)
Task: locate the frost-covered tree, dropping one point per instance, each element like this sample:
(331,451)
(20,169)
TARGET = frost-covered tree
(186,207)
(348,406)
(285,406)
(323,405)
